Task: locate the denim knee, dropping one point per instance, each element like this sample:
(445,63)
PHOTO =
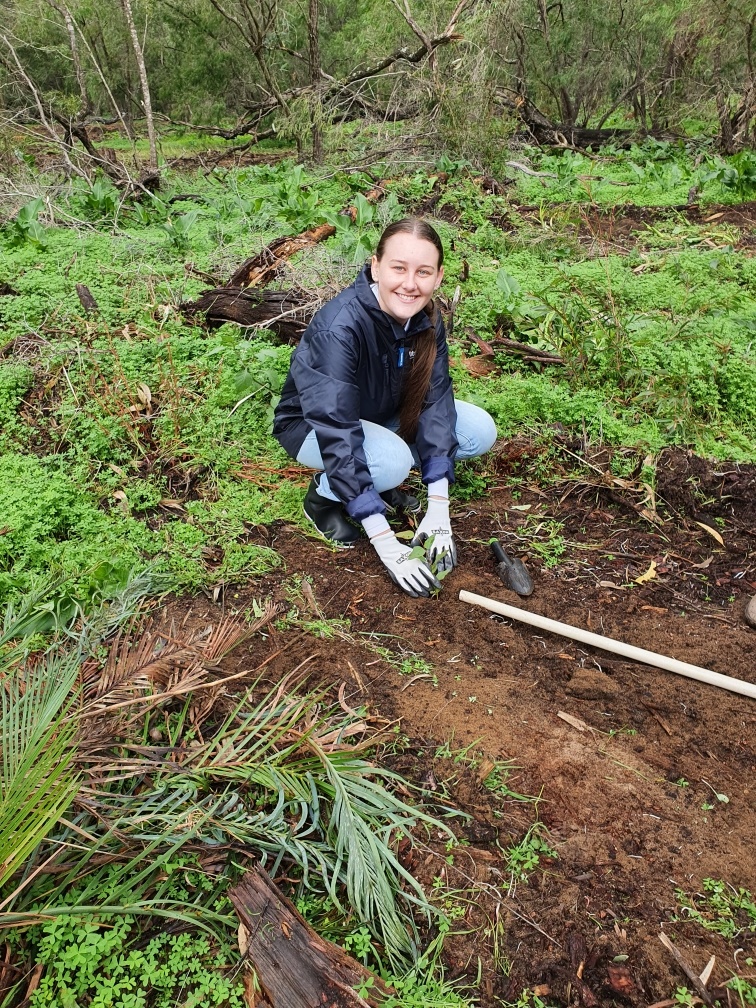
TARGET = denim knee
(476,431)
(389,460)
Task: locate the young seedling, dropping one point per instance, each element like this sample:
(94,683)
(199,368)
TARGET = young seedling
(427,555)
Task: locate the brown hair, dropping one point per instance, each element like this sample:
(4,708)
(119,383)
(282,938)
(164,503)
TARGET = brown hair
(417,380)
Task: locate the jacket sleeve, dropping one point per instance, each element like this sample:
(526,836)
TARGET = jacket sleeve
(436,440)
(330,399)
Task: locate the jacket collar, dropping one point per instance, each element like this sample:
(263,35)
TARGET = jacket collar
(418,322)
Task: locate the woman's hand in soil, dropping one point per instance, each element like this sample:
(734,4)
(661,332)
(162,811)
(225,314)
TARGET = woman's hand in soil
(411,574)
(436,527)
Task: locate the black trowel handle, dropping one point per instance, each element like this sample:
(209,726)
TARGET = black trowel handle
(498,552)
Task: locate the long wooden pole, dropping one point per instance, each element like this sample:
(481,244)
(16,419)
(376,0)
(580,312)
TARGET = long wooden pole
(615,646)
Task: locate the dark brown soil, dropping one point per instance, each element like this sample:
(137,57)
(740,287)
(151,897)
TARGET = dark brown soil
(627,788)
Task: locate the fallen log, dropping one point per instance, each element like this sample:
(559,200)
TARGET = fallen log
(294,966)
(261,268)
(551,134)
(285,313)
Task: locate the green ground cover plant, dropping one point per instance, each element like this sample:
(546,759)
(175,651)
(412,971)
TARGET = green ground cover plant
(729,911)
(721,908)
(121,407)
(651,173)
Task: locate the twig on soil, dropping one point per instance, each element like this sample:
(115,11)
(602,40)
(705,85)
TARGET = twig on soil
(658,718)
(357,676)
(671,1001)
(688,970)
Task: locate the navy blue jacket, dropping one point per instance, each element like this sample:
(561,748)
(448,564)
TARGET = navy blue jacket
(346,369)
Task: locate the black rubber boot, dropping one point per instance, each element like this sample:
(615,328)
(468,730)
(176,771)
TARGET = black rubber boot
(328,518)
(398,500)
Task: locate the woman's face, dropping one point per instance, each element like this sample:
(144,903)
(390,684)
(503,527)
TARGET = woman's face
(407,274)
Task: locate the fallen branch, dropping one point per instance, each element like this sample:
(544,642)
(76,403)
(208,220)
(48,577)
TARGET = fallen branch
(261,268)
(530,171)
(526,352)
(523,350)
(294,966)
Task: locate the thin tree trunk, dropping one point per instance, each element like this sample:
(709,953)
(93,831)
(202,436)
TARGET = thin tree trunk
(146,100)
(68,20)
(44,120)
(314,54)
(101,75)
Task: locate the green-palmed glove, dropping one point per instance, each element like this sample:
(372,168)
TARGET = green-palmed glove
(412,575)
(436,524)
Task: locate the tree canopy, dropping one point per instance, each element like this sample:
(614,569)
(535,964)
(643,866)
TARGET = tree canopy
(463,67)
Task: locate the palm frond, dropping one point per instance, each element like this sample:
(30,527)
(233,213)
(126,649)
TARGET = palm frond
(136,665)
(37,780)
(279,778)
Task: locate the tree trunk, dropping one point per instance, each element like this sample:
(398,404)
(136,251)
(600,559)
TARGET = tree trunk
(96,64)
(314,54)
(146,100)
(65,13)
(742,119)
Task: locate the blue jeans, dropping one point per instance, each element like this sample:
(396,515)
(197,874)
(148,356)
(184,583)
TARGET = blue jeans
(390,458)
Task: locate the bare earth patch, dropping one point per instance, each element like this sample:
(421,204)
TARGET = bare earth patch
(627,783)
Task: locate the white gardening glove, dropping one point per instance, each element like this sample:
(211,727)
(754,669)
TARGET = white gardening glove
(411,575)
(443,552)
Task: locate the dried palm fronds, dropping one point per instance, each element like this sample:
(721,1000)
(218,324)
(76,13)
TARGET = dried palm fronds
(156,665)
(280,778)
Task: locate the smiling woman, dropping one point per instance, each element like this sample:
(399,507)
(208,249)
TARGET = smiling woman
(407,270)
(369,396)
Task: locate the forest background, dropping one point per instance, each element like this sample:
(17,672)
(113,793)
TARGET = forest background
(451,72)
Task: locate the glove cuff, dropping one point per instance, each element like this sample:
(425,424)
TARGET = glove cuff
(438,488)
(375,524)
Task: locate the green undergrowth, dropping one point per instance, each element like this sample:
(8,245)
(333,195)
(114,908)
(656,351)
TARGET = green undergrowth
(730,912)
(649,173)
(131,440)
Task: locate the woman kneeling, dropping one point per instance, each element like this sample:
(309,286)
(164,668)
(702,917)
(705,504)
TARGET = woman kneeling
(369,395)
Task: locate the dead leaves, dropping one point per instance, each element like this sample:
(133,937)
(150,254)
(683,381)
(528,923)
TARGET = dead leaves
(712,531)
(152,664)
(648,575)
(478,367)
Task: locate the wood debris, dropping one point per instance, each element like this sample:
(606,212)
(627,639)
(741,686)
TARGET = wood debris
(295,967)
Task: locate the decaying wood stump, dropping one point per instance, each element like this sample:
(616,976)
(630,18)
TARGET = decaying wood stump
(295,967)
(288,312)
(88,302)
